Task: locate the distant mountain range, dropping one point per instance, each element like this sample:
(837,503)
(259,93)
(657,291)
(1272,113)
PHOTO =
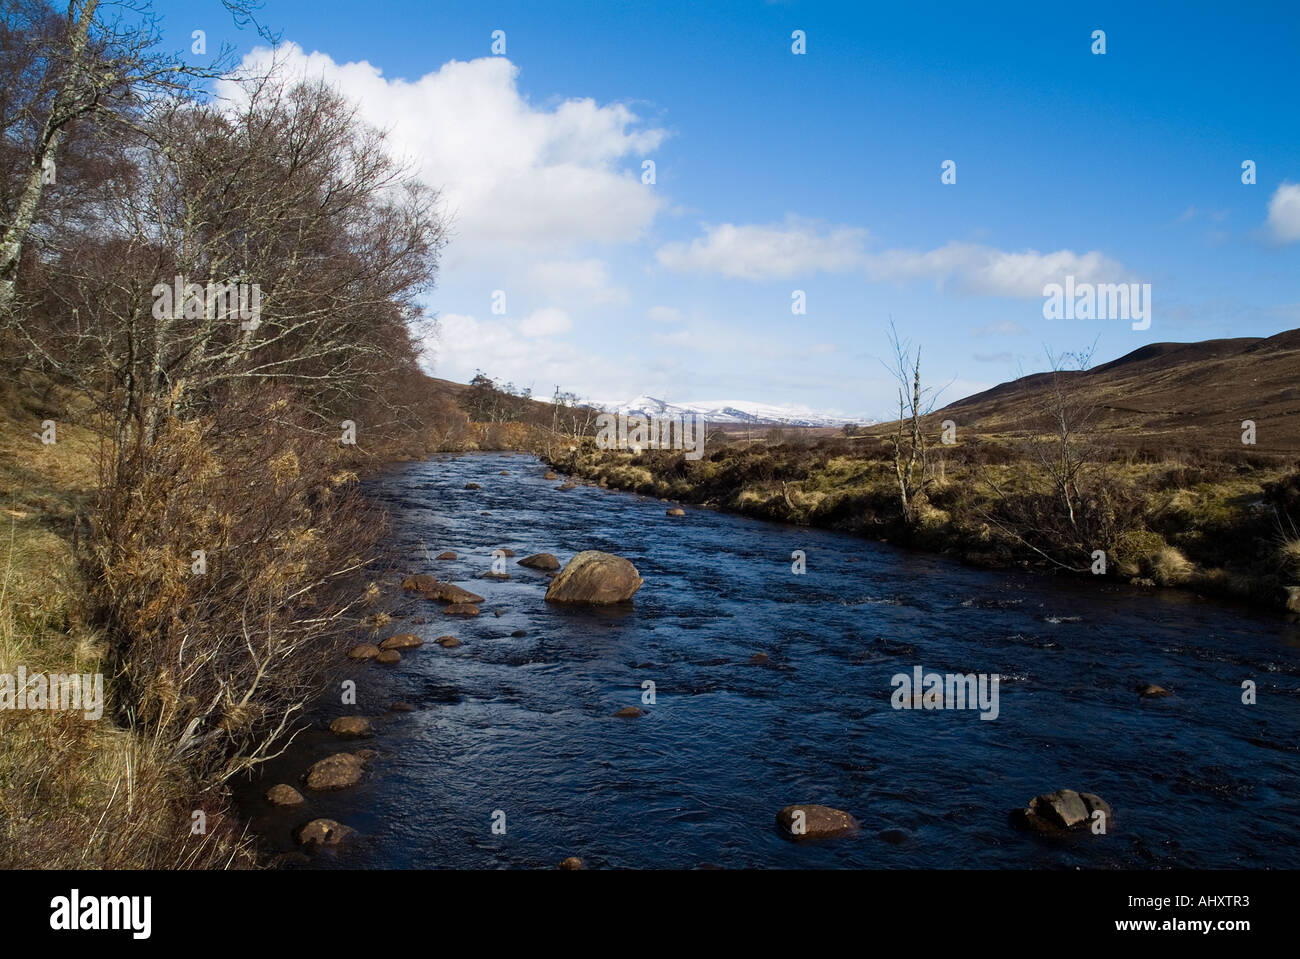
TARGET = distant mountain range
(732,411)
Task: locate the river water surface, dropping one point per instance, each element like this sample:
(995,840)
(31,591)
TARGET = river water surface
(523,725)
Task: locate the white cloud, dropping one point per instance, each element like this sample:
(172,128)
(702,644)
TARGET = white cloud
(988,271)
(664,314)
(782,251)
(1284,213)
(547,322)
(513,175)
(762,252)
(575,281)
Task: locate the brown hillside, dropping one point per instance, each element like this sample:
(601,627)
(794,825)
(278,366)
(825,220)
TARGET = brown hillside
(1175,395)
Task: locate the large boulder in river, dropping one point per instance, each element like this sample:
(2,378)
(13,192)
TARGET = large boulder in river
(540,561)
(1062,812)
(595,578)
(812,821)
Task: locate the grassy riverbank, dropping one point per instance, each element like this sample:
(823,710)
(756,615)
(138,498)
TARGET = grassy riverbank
(1218,525)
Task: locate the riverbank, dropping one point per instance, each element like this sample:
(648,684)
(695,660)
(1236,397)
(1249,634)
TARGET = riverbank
(1217,527)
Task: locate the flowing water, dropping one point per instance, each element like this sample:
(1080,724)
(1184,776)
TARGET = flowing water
(524,725)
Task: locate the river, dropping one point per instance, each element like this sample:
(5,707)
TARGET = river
(523,725)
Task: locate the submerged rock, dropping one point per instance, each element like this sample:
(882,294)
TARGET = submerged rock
(630,712)
(758,659)
(472,486)
(595,578)
(461,609)
(447,642)
(447,555)
(1151,690)
(813,821)
(550,476)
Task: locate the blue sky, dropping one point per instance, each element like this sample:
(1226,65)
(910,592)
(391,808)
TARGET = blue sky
(820,172)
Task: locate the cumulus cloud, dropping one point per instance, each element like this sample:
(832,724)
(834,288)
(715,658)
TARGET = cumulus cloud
(988,271)
(796,247)
(585,281)
(513,175)
(1284,213)
(547,322)
(762,252)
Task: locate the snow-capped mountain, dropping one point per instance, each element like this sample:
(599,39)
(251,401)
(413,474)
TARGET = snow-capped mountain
(734,411)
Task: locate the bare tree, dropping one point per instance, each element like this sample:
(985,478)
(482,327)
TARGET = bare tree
(910,451)
(1069,414)
(100,61)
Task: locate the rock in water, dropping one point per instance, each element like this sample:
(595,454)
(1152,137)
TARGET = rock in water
(461,609)
(323,832)
(573,862)
(283,795)
(595,578)
(448,642)
(447,555)
(350,726)
(1151,690)
(550,476)
(676,511)
(1061,812)
(402,641)
(630,712)
(540,561)
(335,772)
(364,651)
(388,657)
(450,593)
(811,821)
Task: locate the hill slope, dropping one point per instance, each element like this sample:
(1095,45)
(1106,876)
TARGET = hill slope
(1180,394)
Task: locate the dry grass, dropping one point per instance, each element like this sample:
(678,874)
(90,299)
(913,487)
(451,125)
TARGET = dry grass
(78,792)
